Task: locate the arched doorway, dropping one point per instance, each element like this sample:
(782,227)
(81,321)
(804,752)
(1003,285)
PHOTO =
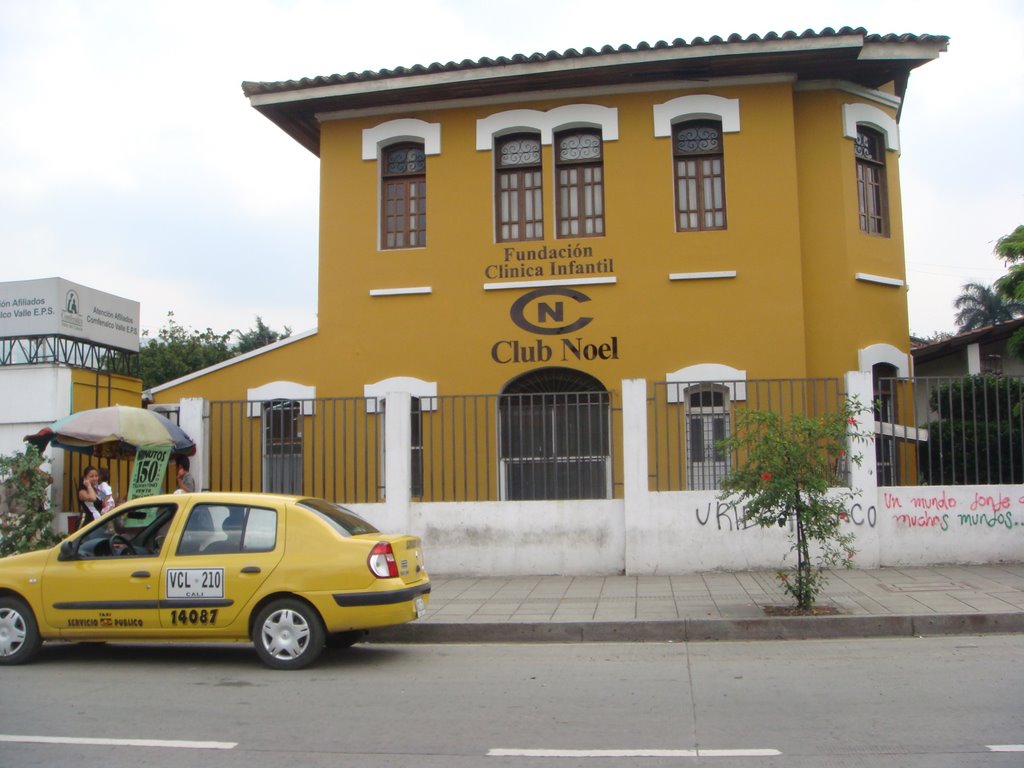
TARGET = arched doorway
(554,436)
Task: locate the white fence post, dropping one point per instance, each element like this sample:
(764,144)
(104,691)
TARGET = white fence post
(192,413)
(635,483)
(398,457)
(863,473)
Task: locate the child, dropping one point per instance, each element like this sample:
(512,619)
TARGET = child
(105,492)
(184,480)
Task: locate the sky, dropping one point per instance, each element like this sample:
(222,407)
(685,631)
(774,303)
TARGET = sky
(130,161)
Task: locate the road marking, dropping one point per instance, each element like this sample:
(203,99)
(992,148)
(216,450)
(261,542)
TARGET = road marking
(633,753)
(1006,747)
(119,742)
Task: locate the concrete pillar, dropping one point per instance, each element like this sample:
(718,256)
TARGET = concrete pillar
(193,413)
(863,469)
(398,456)
(635,472)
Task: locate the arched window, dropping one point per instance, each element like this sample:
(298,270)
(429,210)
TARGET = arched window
(519,194)
(872,203)
(883,380)
(698,155)
(404,196)
(282,446)
(707,424)
(579,168)
(554,436)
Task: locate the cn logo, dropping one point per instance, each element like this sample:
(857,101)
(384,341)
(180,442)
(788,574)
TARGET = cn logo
(543,311)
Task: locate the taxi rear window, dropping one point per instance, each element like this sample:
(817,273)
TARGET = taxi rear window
(344,521)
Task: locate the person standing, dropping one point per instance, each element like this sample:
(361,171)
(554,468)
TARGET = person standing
(185,482)
(88,496)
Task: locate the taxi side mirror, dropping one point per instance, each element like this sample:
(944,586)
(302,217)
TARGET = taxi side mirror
(68,550)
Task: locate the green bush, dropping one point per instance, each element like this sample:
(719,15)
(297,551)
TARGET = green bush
(26,519)
(978,437)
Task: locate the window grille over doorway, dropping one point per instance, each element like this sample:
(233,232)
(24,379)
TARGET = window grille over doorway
(554,428)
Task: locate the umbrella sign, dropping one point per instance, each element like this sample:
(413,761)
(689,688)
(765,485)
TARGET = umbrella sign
(149,471)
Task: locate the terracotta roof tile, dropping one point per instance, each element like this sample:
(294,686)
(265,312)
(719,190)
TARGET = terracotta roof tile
(255,88)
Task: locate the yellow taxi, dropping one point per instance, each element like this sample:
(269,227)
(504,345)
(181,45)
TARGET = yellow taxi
(291,574)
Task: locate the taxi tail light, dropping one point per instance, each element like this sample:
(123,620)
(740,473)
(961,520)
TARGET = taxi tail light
(382,561)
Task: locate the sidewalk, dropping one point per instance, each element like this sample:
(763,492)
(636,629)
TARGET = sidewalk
(970,599)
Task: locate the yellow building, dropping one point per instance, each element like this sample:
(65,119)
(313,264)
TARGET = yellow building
(722,210)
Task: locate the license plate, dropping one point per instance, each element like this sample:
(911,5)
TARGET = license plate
(421,608)
(184,583)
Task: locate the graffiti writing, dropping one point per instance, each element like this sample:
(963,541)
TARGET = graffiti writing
(923,521)
(997,503)
(940,510)
(728,517)
(724,516)
(992,520)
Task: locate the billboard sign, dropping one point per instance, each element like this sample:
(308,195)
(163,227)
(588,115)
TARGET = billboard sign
(57,307)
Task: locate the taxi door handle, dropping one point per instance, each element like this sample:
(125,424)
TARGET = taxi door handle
(251,569)
(141,575)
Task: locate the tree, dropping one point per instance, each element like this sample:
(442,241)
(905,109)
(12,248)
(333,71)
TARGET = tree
(980,305)
(178,351)
(26,519)
(257,337)
(1010,248)
(786,473)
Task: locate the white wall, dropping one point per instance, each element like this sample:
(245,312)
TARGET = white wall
(929,525)
(33,397)
(688,532)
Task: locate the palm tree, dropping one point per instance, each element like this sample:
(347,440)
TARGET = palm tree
(980,305)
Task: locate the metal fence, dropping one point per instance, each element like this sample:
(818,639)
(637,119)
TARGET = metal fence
(328,447)
(518,447)
(964,430)
(950,431)
(687,422)
(463,447)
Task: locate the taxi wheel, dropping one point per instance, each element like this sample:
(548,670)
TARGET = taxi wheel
(19,635)
(288,634)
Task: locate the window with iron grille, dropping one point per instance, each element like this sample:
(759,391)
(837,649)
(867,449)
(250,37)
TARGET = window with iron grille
(707,425)
(554,436)
(697,151)
(883,384)
(404,197)
(579,169)
(416,442)
(519,195)
(282,446)
(872,204)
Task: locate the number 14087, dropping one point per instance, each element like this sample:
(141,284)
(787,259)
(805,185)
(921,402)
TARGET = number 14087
(194,616)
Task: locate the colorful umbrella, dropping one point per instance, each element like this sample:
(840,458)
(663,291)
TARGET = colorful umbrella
(113,431)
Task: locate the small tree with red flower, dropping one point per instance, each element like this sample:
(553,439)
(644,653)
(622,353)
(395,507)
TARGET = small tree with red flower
(789,470)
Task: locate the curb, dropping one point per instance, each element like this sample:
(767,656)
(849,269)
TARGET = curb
(704,630)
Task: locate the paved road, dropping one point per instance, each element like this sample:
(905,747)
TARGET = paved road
(942,701)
